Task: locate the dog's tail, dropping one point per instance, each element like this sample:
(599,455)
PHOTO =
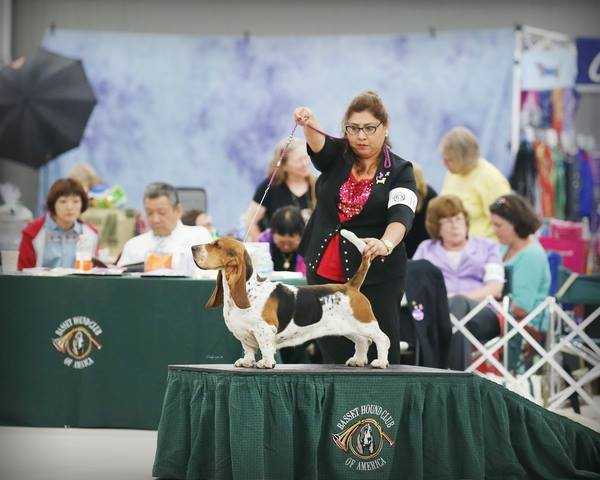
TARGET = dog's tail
(359,277)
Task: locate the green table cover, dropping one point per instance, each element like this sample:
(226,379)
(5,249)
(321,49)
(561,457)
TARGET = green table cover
(133,327)
(306,422)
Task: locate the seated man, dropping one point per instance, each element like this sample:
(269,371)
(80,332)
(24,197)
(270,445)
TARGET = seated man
(168,239)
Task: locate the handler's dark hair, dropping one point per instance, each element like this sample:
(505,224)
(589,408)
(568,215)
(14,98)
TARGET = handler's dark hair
(66,187)
(517,210)
(287,221)
(371,102)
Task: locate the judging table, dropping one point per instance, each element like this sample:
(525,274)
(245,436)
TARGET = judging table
(93,351)
(336,422)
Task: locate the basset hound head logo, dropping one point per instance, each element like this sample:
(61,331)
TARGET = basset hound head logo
(77,338)
(363,438)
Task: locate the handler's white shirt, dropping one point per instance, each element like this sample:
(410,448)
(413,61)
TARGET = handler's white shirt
(178,243)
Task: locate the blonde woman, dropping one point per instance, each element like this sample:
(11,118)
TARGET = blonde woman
(85,174)
(293,185)
(472,178)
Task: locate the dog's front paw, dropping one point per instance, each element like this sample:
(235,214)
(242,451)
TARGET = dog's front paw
(265,363)
(356,362)
(377,363)
(244,362)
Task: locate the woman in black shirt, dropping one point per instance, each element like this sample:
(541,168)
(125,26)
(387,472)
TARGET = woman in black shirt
(366,189)
(293,184)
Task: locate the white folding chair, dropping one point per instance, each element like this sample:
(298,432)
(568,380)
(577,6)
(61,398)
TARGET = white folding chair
(557,344)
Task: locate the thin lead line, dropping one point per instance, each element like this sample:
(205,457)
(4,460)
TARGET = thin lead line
(290,138)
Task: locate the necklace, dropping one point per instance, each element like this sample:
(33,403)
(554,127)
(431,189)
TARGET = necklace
(287,260)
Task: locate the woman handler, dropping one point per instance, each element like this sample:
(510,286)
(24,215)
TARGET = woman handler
(364,188)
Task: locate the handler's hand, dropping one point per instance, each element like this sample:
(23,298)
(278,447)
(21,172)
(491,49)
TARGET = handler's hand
(302,115)
(375,247)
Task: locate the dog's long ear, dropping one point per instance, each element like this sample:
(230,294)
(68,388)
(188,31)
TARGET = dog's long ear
(236,279)
(216,298)
(248,262)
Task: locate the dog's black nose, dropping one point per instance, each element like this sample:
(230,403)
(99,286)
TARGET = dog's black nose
(195,248)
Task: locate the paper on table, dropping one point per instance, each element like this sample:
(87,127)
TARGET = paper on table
(163,272)
(113,271)
(284,275)
(49,272)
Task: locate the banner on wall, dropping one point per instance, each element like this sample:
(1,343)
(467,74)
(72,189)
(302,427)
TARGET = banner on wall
(588,64)
(549,68)
(208,111)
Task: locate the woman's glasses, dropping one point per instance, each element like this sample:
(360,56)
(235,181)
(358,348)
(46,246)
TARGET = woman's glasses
(367,129)
(455,220)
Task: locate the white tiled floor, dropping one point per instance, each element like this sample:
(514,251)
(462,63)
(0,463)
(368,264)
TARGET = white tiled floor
(76,453)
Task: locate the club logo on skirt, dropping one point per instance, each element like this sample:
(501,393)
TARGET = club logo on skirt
(77,337)
(363,436)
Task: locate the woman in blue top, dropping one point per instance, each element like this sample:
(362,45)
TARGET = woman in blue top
(514,223)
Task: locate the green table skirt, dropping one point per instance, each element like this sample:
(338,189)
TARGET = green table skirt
(329,423)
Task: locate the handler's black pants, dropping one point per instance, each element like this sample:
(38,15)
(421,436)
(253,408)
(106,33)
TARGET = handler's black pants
(385,299)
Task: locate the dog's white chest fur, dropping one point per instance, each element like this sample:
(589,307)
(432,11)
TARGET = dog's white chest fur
(243,323)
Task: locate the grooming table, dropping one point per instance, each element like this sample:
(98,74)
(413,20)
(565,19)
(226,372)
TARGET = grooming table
(335,422)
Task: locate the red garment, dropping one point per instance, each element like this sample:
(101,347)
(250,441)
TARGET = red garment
(353,196)
(27,254)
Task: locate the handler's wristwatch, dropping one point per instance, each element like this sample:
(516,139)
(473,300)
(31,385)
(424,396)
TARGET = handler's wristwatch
(388,244)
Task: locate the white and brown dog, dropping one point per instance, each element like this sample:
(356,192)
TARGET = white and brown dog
(269,315)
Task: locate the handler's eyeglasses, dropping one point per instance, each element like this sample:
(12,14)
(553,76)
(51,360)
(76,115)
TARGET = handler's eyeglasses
(368,129)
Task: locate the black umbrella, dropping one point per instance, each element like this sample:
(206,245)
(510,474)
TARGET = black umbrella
(44,108)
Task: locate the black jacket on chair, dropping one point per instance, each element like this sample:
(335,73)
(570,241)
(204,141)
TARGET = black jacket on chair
(391,200)
(426,315)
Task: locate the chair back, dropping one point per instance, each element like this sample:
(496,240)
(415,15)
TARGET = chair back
(192,198)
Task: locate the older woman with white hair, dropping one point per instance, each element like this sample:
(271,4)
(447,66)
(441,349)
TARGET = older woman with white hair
(472,178)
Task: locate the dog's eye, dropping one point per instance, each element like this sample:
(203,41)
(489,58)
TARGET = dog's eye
(230,253)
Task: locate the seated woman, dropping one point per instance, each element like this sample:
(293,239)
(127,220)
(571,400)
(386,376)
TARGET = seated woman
(293,185)
(515,222)
(287,226)
(472,270)
(51,240)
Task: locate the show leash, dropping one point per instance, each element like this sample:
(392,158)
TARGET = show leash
(283,151)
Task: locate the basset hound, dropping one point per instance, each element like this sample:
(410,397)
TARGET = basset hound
(269,315)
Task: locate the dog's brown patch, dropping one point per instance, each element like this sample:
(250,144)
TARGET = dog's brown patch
(269,312)
(360,305)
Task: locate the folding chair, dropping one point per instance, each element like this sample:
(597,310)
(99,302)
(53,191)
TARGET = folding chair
(546,356)
(576,289)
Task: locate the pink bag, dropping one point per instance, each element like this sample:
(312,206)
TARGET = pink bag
(573,251)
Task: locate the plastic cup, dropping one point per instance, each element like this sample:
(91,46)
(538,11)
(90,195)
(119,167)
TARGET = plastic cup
(10,259)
